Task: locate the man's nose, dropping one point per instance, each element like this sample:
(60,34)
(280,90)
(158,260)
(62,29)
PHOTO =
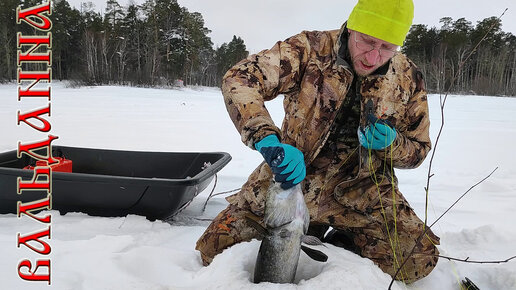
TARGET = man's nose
(372,56)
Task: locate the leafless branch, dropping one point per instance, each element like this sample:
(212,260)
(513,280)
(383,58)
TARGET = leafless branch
(467,260)
(428,227)
(464,194)
(209,196)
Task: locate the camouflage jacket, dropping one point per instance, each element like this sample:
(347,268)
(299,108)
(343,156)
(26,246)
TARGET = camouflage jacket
(309,70)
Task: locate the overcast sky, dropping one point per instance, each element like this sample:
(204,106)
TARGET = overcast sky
(263,22)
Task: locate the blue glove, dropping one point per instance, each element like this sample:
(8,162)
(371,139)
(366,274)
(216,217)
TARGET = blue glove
(286,161)
(378,135)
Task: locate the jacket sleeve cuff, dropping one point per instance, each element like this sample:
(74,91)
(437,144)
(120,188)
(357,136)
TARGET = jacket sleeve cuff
(257,129)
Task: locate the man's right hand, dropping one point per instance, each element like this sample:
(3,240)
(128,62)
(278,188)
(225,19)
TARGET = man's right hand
(286,161)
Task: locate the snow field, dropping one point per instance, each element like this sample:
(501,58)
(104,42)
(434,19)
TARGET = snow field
(134,253)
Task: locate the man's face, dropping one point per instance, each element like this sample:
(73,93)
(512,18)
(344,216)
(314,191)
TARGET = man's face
(368,53)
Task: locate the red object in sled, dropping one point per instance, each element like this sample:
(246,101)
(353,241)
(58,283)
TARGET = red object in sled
(64,165)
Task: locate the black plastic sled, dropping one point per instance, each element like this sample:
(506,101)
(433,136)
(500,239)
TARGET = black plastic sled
(113,182)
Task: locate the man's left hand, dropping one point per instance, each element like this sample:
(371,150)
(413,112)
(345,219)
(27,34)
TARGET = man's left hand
(378,135)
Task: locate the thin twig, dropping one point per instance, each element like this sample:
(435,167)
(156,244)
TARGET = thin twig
(203,219)
(464,194)
(427,187)
(225,192)
(467,260)
(209,196)
(428,227)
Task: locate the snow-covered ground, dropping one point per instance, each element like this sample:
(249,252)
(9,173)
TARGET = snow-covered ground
(134,253)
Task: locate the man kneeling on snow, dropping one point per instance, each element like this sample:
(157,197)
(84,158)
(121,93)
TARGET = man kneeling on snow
(354,108)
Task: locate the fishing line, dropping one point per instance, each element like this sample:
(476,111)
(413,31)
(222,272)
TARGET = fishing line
(394,214)
(375,180)
(394,238)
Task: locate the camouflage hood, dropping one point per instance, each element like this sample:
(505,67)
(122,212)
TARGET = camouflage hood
(311,71)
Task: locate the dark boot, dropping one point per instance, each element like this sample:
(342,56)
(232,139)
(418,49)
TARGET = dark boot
(343,239)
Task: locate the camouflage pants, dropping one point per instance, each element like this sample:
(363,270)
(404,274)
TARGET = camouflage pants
(372,219)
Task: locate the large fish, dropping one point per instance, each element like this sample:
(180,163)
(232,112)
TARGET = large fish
(286,219)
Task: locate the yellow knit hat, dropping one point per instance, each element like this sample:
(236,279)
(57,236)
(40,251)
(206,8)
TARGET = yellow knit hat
(388,20)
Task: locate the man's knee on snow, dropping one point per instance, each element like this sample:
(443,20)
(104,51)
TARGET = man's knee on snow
(206,260)
(425,262)
(418,266)
(227,229)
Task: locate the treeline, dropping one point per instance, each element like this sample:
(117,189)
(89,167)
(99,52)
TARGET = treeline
(161,43)
(439,52)
(156,43)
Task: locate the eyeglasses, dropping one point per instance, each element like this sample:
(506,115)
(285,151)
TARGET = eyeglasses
(368,46)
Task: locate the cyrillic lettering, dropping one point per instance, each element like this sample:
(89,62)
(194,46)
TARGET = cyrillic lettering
(32,276)
(27,208)
(34,17)
(36,115)
(36,238)
(28,149)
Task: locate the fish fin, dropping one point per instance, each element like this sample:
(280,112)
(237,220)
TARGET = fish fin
(315,254)
(257,226)
(311,240)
